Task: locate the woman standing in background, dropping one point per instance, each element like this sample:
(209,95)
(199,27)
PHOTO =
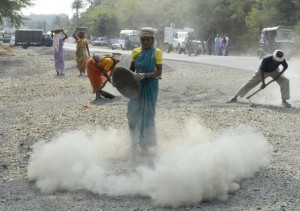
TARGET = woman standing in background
(82,49)
(58,43)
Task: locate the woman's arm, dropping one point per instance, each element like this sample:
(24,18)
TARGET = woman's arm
(156,73)
(66,36)
(132,68)
(108,66)
(87,48)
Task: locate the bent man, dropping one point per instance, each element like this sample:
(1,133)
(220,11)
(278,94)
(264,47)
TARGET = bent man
(268,67)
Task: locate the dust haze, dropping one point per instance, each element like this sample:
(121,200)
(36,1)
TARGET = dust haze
(191,163)
(271,94)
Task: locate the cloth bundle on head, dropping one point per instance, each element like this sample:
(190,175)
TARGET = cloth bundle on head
(278,56)
(56,42)
(80,29)
(147,32)
(116,56)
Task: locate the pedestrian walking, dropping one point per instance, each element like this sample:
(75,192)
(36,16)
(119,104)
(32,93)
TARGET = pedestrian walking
(58,52)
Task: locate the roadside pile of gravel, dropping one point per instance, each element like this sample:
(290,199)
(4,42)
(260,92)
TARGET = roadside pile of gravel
(5,51)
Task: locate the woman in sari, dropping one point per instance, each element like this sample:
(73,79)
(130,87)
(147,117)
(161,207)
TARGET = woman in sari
(58,54)
(147,65)
(99,70)
(82,49)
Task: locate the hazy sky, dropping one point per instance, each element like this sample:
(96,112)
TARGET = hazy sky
(50,7)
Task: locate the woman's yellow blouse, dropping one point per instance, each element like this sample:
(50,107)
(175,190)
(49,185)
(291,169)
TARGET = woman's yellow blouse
(158,55)
(106,63)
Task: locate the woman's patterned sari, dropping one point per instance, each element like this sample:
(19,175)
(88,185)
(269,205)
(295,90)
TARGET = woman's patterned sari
(141,110)
(81,56)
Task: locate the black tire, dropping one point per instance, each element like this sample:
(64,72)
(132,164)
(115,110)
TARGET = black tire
(169,48)
(196,52)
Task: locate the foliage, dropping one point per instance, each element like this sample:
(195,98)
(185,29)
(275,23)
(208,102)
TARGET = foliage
(78,5)
(60,21)
(241,20)
(297,28)
(102,22)
(46,22)
(10,9)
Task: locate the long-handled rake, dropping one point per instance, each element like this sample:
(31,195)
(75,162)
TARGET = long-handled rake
(248,98)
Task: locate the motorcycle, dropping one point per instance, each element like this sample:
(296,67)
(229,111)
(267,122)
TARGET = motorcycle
(195,47)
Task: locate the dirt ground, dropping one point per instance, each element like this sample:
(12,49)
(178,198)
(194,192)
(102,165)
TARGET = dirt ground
(36,105)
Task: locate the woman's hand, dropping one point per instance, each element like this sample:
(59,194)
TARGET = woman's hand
(96,58)
(139,76)
(109,80)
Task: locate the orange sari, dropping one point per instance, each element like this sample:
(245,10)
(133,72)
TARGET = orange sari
(95,75)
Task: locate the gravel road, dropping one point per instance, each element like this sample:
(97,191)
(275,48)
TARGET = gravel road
(36,105)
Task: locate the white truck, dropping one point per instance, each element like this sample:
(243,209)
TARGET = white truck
(127,33)
(175,38)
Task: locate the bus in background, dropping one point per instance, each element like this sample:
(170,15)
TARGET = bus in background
(129,35)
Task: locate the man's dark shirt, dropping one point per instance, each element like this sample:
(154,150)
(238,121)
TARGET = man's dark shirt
(268,65)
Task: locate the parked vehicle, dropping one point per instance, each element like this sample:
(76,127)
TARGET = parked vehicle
(6,36)
(279,37)
(47,40)
(100,41)
(175,39)
(32,37)
(127,34)
(195,47)
(132,41)
(114,44)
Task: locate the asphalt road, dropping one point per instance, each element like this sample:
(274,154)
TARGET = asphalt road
(250,63)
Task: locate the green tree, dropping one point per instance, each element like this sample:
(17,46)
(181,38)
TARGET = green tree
(156,13)
(94,2)
(102,21)
(78,5)
(10,9)
(215,17)
(60,21)
(241,20)
(287,12)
